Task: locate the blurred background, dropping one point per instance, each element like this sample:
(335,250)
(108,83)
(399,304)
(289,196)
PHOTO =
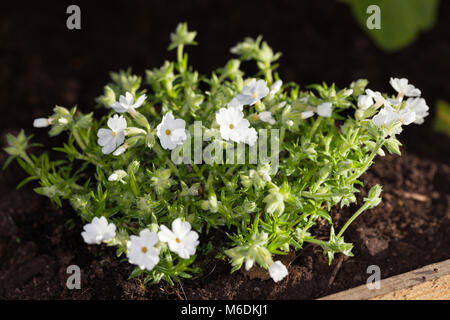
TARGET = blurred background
(43,63)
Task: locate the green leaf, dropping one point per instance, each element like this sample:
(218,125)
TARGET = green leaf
(442,118)
(401,20)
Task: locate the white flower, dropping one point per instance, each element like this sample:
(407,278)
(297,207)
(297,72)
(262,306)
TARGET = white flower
(365,102)
(266,116)
(171,132)
(404,88)
(126,103)
(385,117)
(121,149)
(250,136)
(388,115)
(406,116)
(111,138)
(117,175)
(307,114)
(324,109)
(253,92)
(277,271)
(419,107)
(376,96)
(98,230)
(276,86)
(181,239)
(233,125)
(236,103)
(113,177)
(42,122)
(142,251)
(289,123)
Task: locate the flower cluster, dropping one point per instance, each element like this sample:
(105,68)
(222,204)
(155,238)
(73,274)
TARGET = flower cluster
(413,110)
(121,173)
(144,250)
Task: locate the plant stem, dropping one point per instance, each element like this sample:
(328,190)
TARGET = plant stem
(319,195)
(315,126)
(180,58)
(78,138)
(268,73)
(353,217)
(367,163)
(162,155)
(315,241)
(28,160)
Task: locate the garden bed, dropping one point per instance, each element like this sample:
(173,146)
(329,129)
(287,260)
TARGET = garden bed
(409,230)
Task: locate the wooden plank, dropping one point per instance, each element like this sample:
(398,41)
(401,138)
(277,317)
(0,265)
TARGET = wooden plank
(428,283)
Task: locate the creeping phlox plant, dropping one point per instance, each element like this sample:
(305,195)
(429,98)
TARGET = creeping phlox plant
(132,179)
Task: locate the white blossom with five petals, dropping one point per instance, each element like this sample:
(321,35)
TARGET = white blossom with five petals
(419,107)
(181,239)
(113,137)
(171,132)
(253,92)
(234,127)
(404,88)
(127,104)
(142,250)
(98,230)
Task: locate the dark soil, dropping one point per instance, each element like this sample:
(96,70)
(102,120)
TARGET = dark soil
(43,63)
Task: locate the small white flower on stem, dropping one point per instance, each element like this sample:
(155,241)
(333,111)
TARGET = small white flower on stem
(290,123)
(403,88)
(181,239)
(121,149)
(278,271)
(406,116)
(142,251)
(113,137)
(42,122)
(325,109)
(98,230)
(253,92)
(250,136)
(266,116)
(171,132)
(365,102)
(249,261)
(117,175)
(236,103)
(307,114)
(113,177)
(127,104)
(233,125)
(275,87)
(419,107)
(376,96)
(385,117)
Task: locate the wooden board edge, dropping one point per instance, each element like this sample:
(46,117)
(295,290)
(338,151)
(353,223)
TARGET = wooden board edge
(429,282)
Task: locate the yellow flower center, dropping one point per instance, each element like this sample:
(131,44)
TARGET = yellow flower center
(254,96)
(168,132)
(177,240)
(231,126)
(144,249)
(114,133)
